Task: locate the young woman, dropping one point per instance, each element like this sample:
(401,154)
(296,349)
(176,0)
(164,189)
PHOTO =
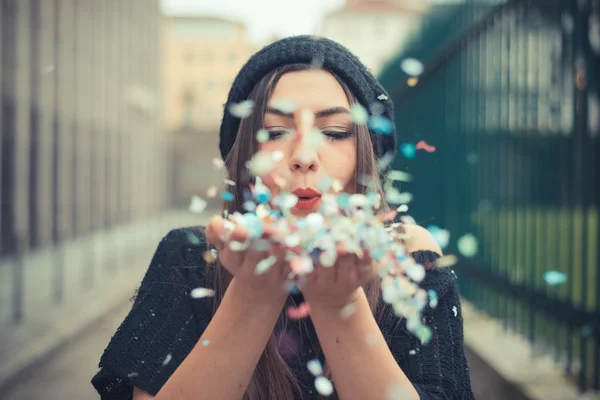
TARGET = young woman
(239,343)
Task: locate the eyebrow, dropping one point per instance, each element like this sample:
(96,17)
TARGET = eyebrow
(319,114)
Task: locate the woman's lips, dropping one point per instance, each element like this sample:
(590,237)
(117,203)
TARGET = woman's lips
(308,203)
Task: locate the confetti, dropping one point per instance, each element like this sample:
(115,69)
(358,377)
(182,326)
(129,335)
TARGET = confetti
(408,150)
(433,298)
(242,110)
(218,163)
(302,311)
(198,204)
(200,293)
(441,236)
(227,196)
(455,311)
(205,342)
(382,97)
(381,125)
(422,145)
(412,66)
(399,176)
(133,375)
(265,264)
(210,256)
(412,82)
(323,386)
(167,360)
(262,136)
(211,191)
(412,352)
(554,278)
(359,114)
(467,245)
(286,106)
(314,367)
(402,208)
(446,261)
(229,182)
(348,310)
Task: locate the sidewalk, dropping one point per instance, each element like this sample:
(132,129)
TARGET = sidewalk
(99,273)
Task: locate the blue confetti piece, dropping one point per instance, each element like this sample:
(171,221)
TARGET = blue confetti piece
(381,125)
(408,150)
(554,278)
(262,197)
(227,196)
(343,199)
(254,225)
(205,342)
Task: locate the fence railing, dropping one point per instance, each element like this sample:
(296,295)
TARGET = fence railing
(510,96)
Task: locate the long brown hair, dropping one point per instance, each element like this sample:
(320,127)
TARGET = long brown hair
(272,378)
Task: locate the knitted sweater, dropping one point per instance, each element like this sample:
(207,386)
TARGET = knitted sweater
(165,323)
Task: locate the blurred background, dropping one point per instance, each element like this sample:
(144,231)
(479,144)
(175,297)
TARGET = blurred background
(109,125)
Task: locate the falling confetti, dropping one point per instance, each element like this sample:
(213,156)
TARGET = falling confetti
(381,125)
(412,82)
(133,375)
(286,106)
(408,150)
(467,245)
(399,176)
(210,256)
(302,311)
(314,367)
(359,114)
(229,182)
(200,293)
(382,97)
(262,136)
(211,191)
(218,163)
(205,342)
(323,386)
(265,264)
(402,208)
(412,66)
(227,196)
(412,352)
(433,298)
(441,236)
(446,261)
(242,110)
(422,145)
(455,311)
(198,204)
(554,278)
(167,360)
(347,311)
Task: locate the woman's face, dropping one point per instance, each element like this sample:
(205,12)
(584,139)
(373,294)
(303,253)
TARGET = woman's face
(319,103)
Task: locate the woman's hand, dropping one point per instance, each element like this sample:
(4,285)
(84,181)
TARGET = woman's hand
(341,284)
(261,286)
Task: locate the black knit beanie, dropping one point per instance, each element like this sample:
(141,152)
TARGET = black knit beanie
(305,50)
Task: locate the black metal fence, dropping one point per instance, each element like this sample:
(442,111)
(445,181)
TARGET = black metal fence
(510,96)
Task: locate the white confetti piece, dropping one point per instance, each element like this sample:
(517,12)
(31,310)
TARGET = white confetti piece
(218,163)
(382,97)
(348,310)
(402,208)
(467,245)
(314,367)
(323,386)
(412,352)
(167,359)
(229,182)
(399,176)
(200,293)
(133,375)
(412,66)
(265,264)
(242,110)
(198,204)
(262,136)
(286,106)
(455,311)
(359,114)
(211,192)
(554,278)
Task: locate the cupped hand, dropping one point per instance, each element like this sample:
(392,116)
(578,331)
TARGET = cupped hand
(339,285)
(248,265)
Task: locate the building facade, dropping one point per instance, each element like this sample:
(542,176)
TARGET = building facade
(373,29)
(202,57)
(82,145)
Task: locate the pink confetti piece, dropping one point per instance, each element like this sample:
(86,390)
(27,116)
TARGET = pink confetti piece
(422,145)
(295,313)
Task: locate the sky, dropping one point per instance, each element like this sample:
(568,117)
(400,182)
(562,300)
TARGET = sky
(263,18)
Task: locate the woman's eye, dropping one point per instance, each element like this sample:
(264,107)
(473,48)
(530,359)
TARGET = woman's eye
(336,135)
(274,134)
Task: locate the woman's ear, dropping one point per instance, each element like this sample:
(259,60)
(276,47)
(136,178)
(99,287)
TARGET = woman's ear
(419,238)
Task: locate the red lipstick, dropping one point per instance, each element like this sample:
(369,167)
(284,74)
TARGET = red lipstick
(308,198)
